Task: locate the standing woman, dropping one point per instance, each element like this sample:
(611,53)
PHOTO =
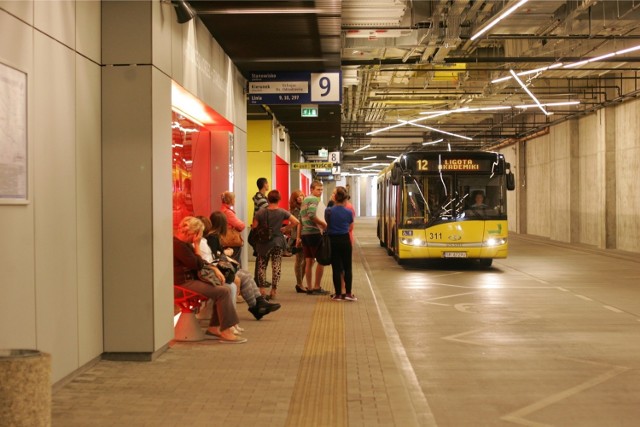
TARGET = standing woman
(339,221)
(272,218)
(295,203)
(228,202)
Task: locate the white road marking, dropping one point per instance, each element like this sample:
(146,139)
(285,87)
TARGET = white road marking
(518,416)
(419,401)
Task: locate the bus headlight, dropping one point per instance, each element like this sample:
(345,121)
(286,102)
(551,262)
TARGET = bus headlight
(495,241)
(413,242)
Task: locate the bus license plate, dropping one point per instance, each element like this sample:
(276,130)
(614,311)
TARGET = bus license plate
(455,255)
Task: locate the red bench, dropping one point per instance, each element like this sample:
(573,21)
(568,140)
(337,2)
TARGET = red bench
(188,328)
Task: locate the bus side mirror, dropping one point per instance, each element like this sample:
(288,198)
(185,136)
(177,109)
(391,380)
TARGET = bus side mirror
(396,174)
(510,180)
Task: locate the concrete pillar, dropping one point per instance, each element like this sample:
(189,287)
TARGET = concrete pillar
(610,228)
(574,181)
(521,188)
(137,212)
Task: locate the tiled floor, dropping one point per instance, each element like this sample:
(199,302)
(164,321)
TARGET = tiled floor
(547,337)
(314,362)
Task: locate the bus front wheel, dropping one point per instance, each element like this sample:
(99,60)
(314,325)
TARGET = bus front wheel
(486,262)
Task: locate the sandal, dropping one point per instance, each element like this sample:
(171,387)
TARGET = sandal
(234,340)
(300,289)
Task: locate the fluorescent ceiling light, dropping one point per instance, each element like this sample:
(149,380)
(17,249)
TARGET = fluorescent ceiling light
(527,72)
(373,132)
(515,76)
(440,131)
(440,113)
(370,157)
(550,104)
(576,64)
(362,148)
(631,49)
(502,107)
(433,142)
(601,57)
(498,19)
(263,11)
(393,157)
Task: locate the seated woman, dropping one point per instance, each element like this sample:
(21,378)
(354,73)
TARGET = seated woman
(230,282)
(258,305)
(186,264)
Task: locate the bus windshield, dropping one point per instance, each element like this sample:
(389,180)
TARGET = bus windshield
(453,196)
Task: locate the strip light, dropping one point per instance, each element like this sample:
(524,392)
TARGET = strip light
(370,158)
(515,76)
(551,104)
(468,110)
(440,131)
(527,72)
(433,142)
(601,57)
(498,19)
(362,148)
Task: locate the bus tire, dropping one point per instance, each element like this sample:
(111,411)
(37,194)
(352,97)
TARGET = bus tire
(486,262)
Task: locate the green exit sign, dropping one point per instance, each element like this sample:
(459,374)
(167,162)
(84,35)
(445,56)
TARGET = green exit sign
(309,110)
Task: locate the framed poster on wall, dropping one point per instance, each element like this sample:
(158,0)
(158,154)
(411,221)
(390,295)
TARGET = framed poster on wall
(13,136)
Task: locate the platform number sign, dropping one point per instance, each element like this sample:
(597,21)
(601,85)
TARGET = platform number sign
(334,157)
(325,87)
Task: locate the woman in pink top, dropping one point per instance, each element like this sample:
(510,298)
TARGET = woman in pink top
(228,200)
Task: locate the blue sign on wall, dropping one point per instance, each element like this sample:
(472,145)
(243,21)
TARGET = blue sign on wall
(295,88)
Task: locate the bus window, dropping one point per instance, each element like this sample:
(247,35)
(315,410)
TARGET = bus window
(438,196)
(483,196)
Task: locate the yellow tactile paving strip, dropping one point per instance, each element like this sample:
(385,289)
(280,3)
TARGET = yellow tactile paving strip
(320,392)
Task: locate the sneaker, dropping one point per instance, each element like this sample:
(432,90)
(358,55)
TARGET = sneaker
(336,297)
(350,297)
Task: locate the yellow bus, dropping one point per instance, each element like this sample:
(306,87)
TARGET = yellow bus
(445,204)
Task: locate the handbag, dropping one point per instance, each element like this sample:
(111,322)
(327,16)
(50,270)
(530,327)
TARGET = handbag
(207,275)
(231,239)
(261,234)
(227,268)
(323,253)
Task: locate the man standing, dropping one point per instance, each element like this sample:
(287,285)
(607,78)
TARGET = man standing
(310,233)
(260,198)
(260,202)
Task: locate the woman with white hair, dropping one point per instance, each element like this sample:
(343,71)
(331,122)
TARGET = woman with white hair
(186,264)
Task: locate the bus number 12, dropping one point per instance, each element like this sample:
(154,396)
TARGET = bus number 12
(435,236)
(423,165)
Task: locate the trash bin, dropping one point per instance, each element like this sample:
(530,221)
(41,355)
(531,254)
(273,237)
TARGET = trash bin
(25,388)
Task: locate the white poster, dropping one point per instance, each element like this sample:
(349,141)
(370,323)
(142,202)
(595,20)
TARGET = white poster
(13,135)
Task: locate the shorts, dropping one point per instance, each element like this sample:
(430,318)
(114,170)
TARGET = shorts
(310,244)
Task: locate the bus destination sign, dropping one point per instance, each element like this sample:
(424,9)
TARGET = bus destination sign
(458,165)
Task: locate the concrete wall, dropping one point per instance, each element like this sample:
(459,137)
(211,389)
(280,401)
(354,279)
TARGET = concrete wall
(51,248)
(627,161)
(578,182)
(99,160)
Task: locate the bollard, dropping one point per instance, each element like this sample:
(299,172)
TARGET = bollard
(25,388)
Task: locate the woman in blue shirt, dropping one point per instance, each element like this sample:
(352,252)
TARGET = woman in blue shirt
(339,221)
